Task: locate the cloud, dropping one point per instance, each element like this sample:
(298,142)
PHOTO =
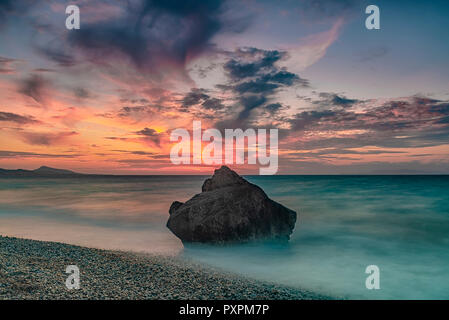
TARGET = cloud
(47,138)
(274,108)
(147,132)
(18,154)
(58,55)
(146,136)
(409,122)
(194,97)
(252,82)
(212,104)
(333,152)
(19,119)
(249,103)
(116,138)
(413,113)
(5,65)
(150,135)
(43,70)
(34,87)
(82,93)
(12,8)
(200,97)
(311,49)
(6,71)
(137,152)
(255,77)
(139,112)
(6,6)
(153,35)
(373,53)
(332,99)
(249,61)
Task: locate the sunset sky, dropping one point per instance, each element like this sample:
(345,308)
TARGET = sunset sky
(104,98)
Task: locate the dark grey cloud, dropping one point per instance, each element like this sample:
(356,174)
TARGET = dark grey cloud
(256,86)
(332,99)
(126,111)
(250,61)
(142,153)
(268,83)
(6,6)
(150,135)
(202,98)
(137,152)
(117,138)
(11,9)
(58,55)
(34,86)
(273,108)
(153,33)
(147,132)
(194,97)
(81,93)
(137,111)
(285,78)
(255,78)
(249,103)
(306,119)
(212,104)
(134,100)
(19,119)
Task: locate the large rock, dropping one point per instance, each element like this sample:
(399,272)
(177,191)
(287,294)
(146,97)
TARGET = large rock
(230,209)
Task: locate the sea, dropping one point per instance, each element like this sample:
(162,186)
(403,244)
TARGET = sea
(400,224)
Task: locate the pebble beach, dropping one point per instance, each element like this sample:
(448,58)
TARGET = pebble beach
(35,270)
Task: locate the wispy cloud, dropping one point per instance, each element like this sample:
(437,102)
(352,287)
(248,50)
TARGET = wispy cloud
(17,118)
(21,154)
(402,123)
(46,138)
(311,49)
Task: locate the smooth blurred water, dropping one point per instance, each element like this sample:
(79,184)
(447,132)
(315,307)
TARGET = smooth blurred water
(399,223)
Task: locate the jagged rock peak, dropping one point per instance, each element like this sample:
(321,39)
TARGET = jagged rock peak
(223,177)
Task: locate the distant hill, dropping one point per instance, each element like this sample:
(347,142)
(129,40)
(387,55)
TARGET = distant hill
(42,171)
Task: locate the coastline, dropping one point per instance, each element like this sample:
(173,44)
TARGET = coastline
(31,269)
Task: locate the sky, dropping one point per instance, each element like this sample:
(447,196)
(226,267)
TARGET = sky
(105,98)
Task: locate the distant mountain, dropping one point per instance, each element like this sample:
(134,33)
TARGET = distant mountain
(42,171)
(48,170)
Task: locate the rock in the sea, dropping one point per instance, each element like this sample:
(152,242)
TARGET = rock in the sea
(230,209)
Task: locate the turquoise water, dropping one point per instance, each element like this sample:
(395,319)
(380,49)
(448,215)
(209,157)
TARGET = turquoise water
(399,223)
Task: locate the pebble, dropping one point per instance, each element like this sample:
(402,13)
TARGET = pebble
(35,270)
